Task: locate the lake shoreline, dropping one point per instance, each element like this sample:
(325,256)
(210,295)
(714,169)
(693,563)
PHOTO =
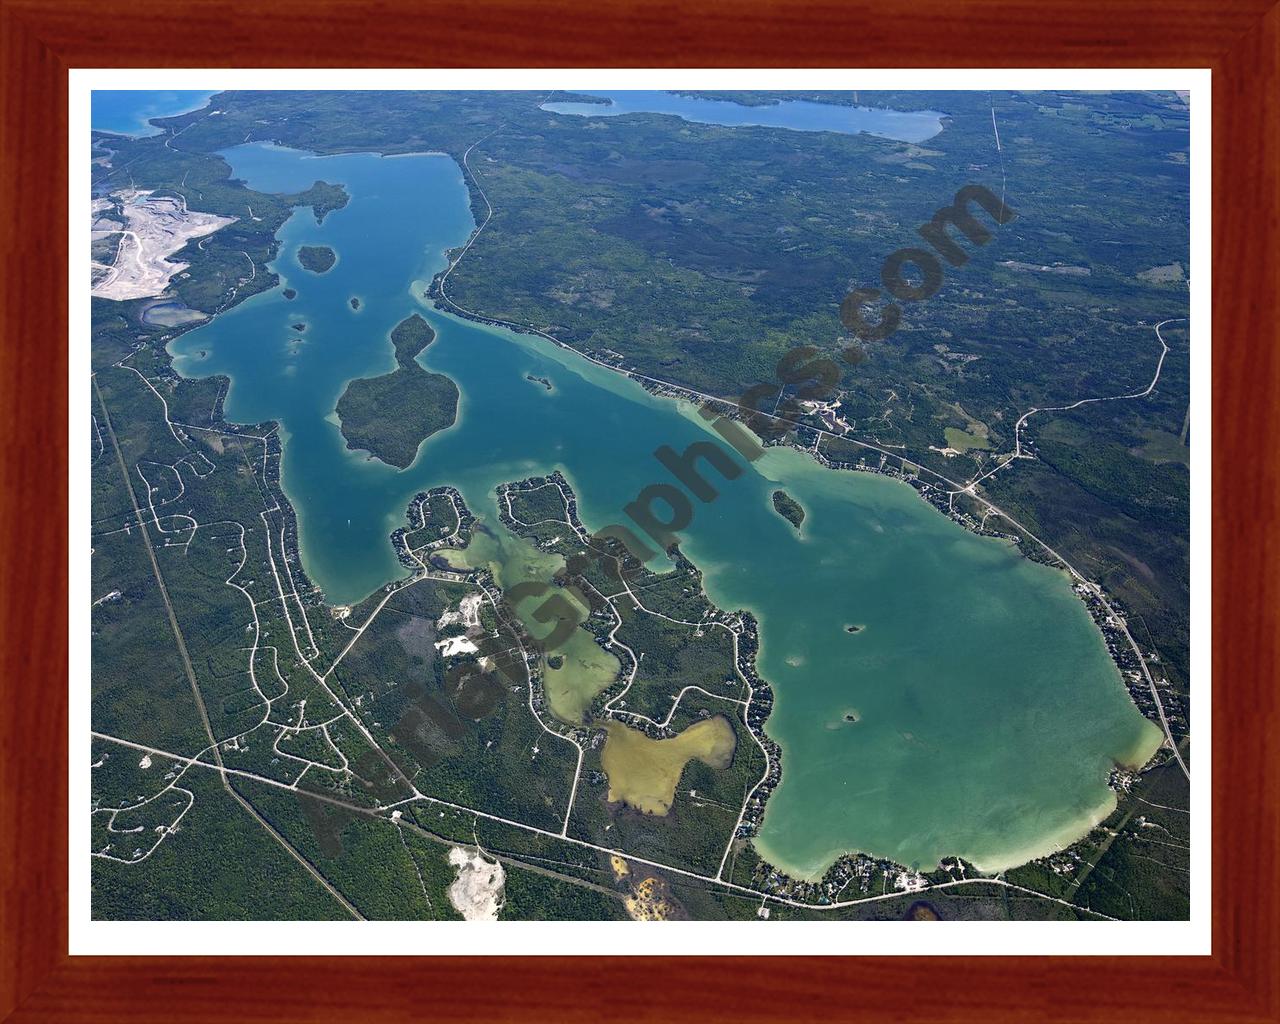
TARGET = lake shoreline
(782,879)
(187,101)
(928,493)
(648,384)
(932,495)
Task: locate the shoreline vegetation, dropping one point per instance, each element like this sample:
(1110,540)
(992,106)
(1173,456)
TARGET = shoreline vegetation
(850,456)
(617,705)
(853,865)
(390,416)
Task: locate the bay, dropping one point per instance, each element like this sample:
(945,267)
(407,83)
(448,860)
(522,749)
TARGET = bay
(129,111)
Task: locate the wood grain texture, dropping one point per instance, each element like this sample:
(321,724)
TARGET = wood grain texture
(39,41)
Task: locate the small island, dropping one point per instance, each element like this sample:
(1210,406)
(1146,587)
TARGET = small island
(318,259)
(847,718)
(355,302)
(290,294)
(299,327)
(787,507)
(390,416)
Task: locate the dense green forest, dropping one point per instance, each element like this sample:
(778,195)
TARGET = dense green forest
(392,415)
(318,259)
(787,507)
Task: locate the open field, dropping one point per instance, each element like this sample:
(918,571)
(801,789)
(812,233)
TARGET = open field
(644,772)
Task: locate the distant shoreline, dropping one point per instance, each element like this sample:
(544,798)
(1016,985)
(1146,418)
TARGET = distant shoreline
(142,119)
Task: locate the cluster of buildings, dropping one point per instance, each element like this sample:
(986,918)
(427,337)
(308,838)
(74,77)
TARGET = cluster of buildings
(852,875)
(534,483)
(758,710)
(290,548)
(418,516)
(1111,621)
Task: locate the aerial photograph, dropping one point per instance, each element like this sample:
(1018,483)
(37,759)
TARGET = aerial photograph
(624,505)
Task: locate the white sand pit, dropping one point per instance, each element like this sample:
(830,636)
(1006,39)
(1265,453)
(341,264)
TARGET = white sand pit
(150,228)
(452,646)
(476,893)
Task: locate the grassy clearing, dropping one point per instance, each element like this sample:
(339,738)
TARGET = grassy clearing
(643,772)
(963,441)
(1163,446)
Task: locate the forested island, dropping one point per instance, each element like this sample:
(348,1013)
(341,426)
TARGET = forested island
(392,415)
(787,507)
(318,259)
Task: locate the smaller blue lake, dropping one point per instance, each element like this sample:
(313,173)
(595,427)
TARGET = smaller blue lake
(796,115)
(129,111)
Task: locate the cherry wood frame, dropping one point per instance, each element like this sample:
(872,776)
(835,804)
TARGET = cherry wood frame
(41,39)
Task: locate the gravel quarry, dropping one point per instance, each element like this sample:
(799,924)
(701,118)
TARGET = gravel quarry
(149,228)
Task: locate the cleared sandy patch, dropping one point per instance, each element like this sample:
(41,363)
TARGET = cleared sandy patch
(151,228)
(470,610)
(620,867)
(103,220)
(476,893)
(452,646)
(648,901)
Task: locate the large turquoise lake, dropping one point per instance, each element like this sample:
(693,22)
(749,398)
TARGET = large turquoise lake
(989,713)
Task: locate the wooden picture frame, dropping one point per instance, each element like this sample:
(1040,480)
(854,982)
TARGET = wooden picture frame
(41,39)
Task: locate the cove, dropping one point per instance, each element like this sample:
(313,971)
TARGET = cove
(988,711)
(796,115)
(129,112)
